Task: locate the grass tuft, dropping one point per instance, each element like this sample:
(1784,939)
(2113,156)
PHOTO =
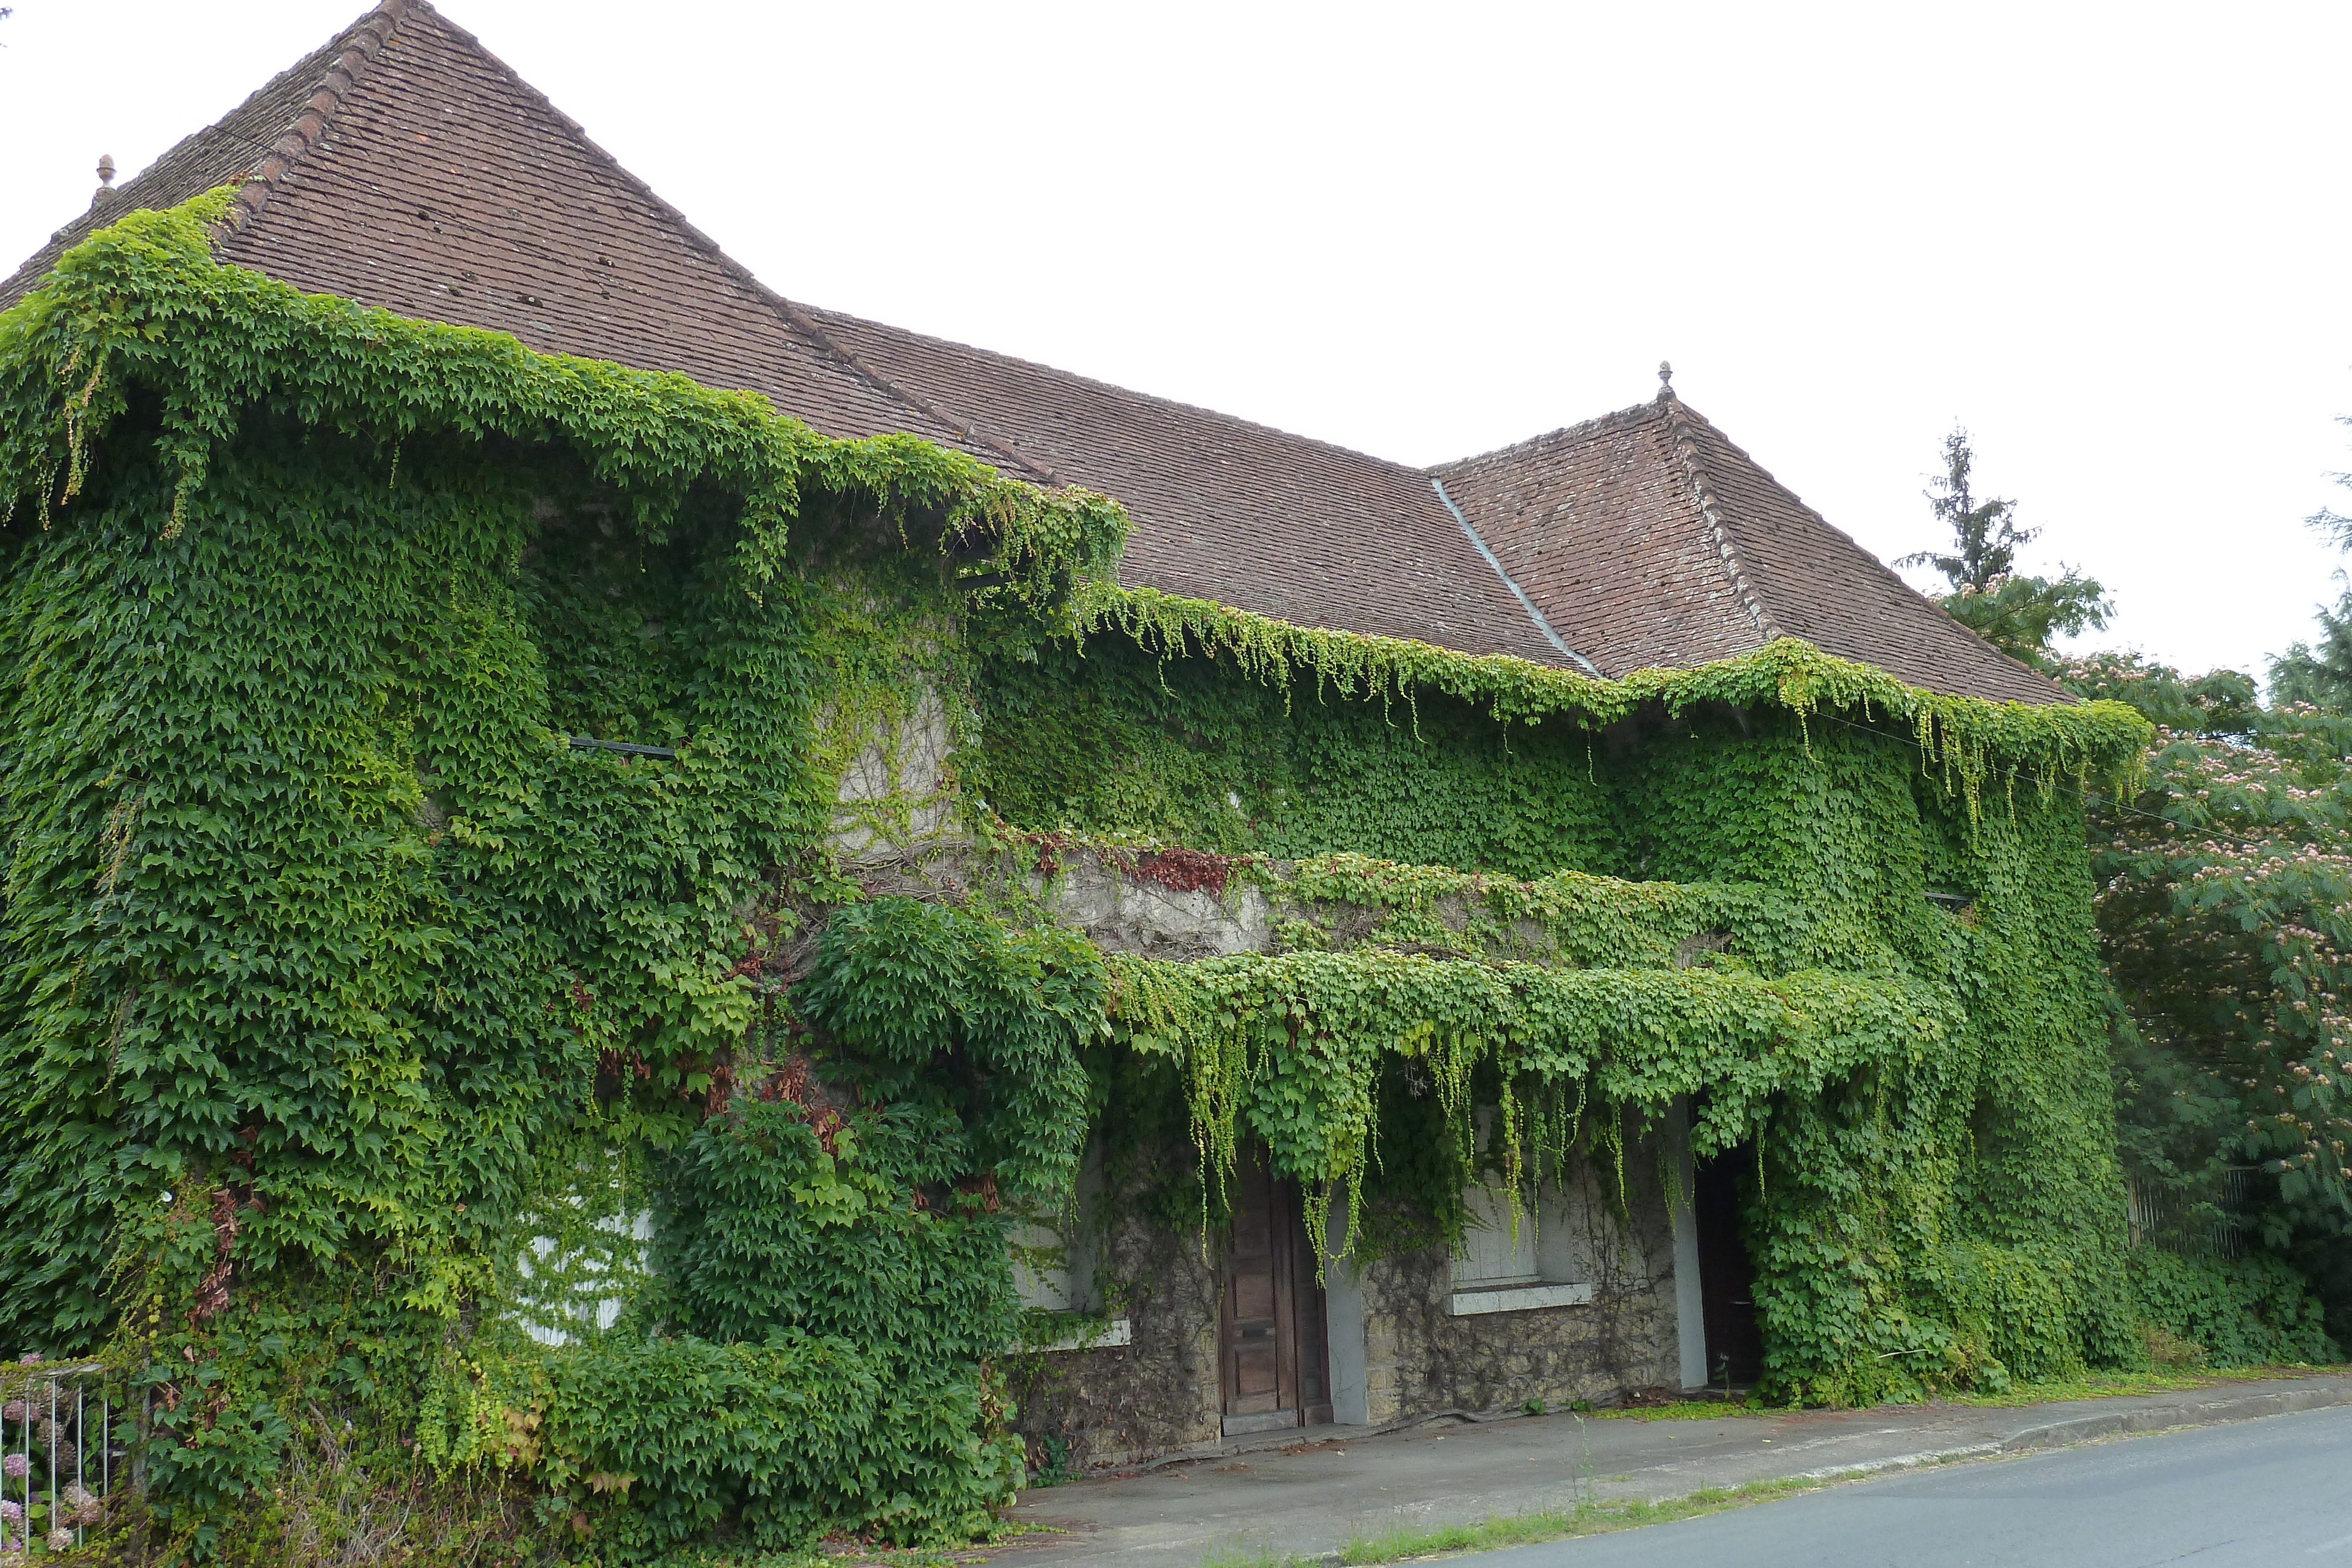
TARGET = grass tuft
(2087,1386)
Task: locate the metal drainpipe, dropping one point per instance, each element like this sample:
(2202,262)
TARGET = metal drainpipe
(1526,603)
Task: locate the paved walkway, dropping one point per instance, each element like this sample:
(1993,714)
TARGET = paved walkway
(1309,1499)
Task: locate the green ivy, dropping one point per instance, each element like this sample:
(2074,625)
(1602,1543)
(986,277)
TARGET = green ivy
(2244,1311)
(336,972)
(333,971)
(1716,889)
(941,1006)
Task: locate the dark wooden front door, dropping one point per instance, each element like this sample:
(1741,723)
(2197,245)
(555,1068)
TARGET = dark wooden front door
(1275,1368)
(1726,1276)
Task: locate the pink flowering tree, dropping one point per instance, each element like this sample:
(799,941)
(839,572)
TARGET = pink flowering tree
(2224,904)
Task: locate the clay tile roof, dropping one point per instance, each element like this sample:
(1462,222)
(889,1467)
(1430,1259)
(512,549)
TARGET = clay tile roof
(1646,538)
(404,166)
(1225,509)
(410,169)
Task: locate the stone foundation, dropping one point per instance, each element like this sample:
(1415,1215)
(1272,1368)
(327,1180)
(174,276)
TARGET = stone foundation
(1157,1395)
(1420,1358)
(1398,1351)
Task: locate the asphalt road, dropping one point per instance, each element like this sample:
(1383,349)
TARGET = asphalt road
(2271,1492)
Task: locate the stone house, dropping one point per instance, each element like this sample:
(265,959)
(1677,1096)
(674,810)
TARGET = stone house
(402,166)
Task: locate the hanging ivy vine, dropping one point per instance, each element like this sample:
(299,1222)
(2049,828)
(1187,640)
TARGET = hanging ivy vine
(425,756)
(1595,897)
(347,947)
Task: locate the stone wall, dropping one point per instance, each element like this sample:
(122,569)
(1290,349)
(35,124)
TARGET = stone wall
(1156,1395)
(1391,1323)
(1420,1358)
(1159,1394)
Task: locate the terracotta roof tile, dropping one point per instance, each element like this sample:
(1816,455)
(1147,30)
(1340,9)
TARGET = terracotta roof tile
(442,187)
(404,166)
(1596,523)
(1229,510)
(1647,539)
(1816,583)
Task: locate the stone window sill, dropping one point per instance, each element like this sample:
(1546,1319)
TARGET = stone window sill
(1519,1298)
(1094,1335)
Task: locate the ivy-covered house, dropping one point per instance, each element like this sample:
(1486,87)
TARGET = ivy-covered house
(735,846)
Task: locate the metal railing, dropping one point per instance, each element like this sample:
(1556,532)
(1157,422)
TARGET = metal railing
(58,1461)
(2214,1223)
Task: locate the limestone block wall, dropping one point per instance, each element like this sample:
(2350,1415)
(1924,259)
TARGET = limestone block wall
(1125,913)
(1124,1403)
(1421,1358)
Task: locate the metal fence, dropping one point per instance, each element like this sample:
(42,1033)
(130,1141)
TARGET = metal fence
(59,1461)
(2212,1223)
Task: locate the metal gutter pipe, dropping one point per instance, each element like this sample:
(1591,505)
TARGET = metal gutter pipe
(1526,603)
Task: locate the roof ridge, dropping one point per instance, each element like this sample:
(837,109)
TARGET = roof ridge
(1715,432)
(1679,416)
(361,41)
(1403,470)
(1638,414)
(796,317)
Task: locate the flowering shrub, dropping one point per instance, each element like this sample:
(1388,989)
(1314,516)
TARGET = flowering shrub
(2225,910)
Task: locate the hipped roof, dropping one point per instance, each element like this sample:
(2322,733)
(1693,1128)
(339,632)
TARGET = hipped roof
(404,166)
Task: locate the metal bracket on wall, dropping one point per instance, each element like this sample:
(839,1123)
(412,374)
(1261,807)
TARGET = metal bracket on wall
(588,743)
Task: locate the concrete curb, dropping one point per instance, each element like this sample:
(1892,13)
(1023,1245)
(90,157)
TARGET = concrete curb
(2105,1424)
(2211,1412)
(1855,1473)
(1271,1442)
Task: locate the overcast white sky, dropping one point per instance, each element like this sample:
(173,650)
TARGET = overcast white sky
(2111,239)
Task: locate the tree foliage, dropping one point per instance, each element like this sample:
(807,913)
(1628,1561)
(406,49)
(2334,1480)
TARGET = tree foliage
(2225,911)
(2016,614)
(2320,672)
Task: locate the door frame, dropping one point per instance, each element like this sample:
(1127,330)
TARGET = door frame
(1301,1316)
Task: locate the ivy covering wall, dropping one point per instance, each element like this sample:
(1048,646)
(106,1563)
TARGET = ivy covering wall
(341,959)
(1721,891)
(424,764)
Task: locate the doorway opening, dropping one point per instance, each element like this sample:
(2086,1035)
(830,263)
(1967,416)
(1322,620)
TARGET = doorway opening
(1727,1276)
(1275,1358)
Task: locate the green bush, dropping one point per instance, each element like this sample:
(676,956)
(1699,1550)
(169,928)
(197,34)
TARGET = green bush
(951,1009)
(648,1445)
(763,1232)
(2244,1311)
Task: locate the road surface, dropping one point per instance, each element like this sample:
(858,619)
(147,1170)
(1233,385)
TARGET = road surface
(2271,1493)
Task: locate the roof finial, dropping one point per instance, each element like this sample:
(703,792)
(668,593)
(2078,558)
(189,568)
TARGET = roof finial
(106,171)
(1665,381)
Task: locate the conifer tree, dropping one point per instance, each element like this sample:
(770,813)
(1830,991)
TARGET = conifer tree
(2017,615)
(2320,672)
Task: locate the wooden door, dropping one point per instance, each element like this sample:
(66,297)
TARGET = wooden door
(1275,1362)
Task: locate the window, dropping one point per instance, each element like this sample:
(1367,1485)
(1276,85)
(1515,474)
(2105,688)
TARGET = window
(1042,1270)
(1054,1273)
(1539,1262)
